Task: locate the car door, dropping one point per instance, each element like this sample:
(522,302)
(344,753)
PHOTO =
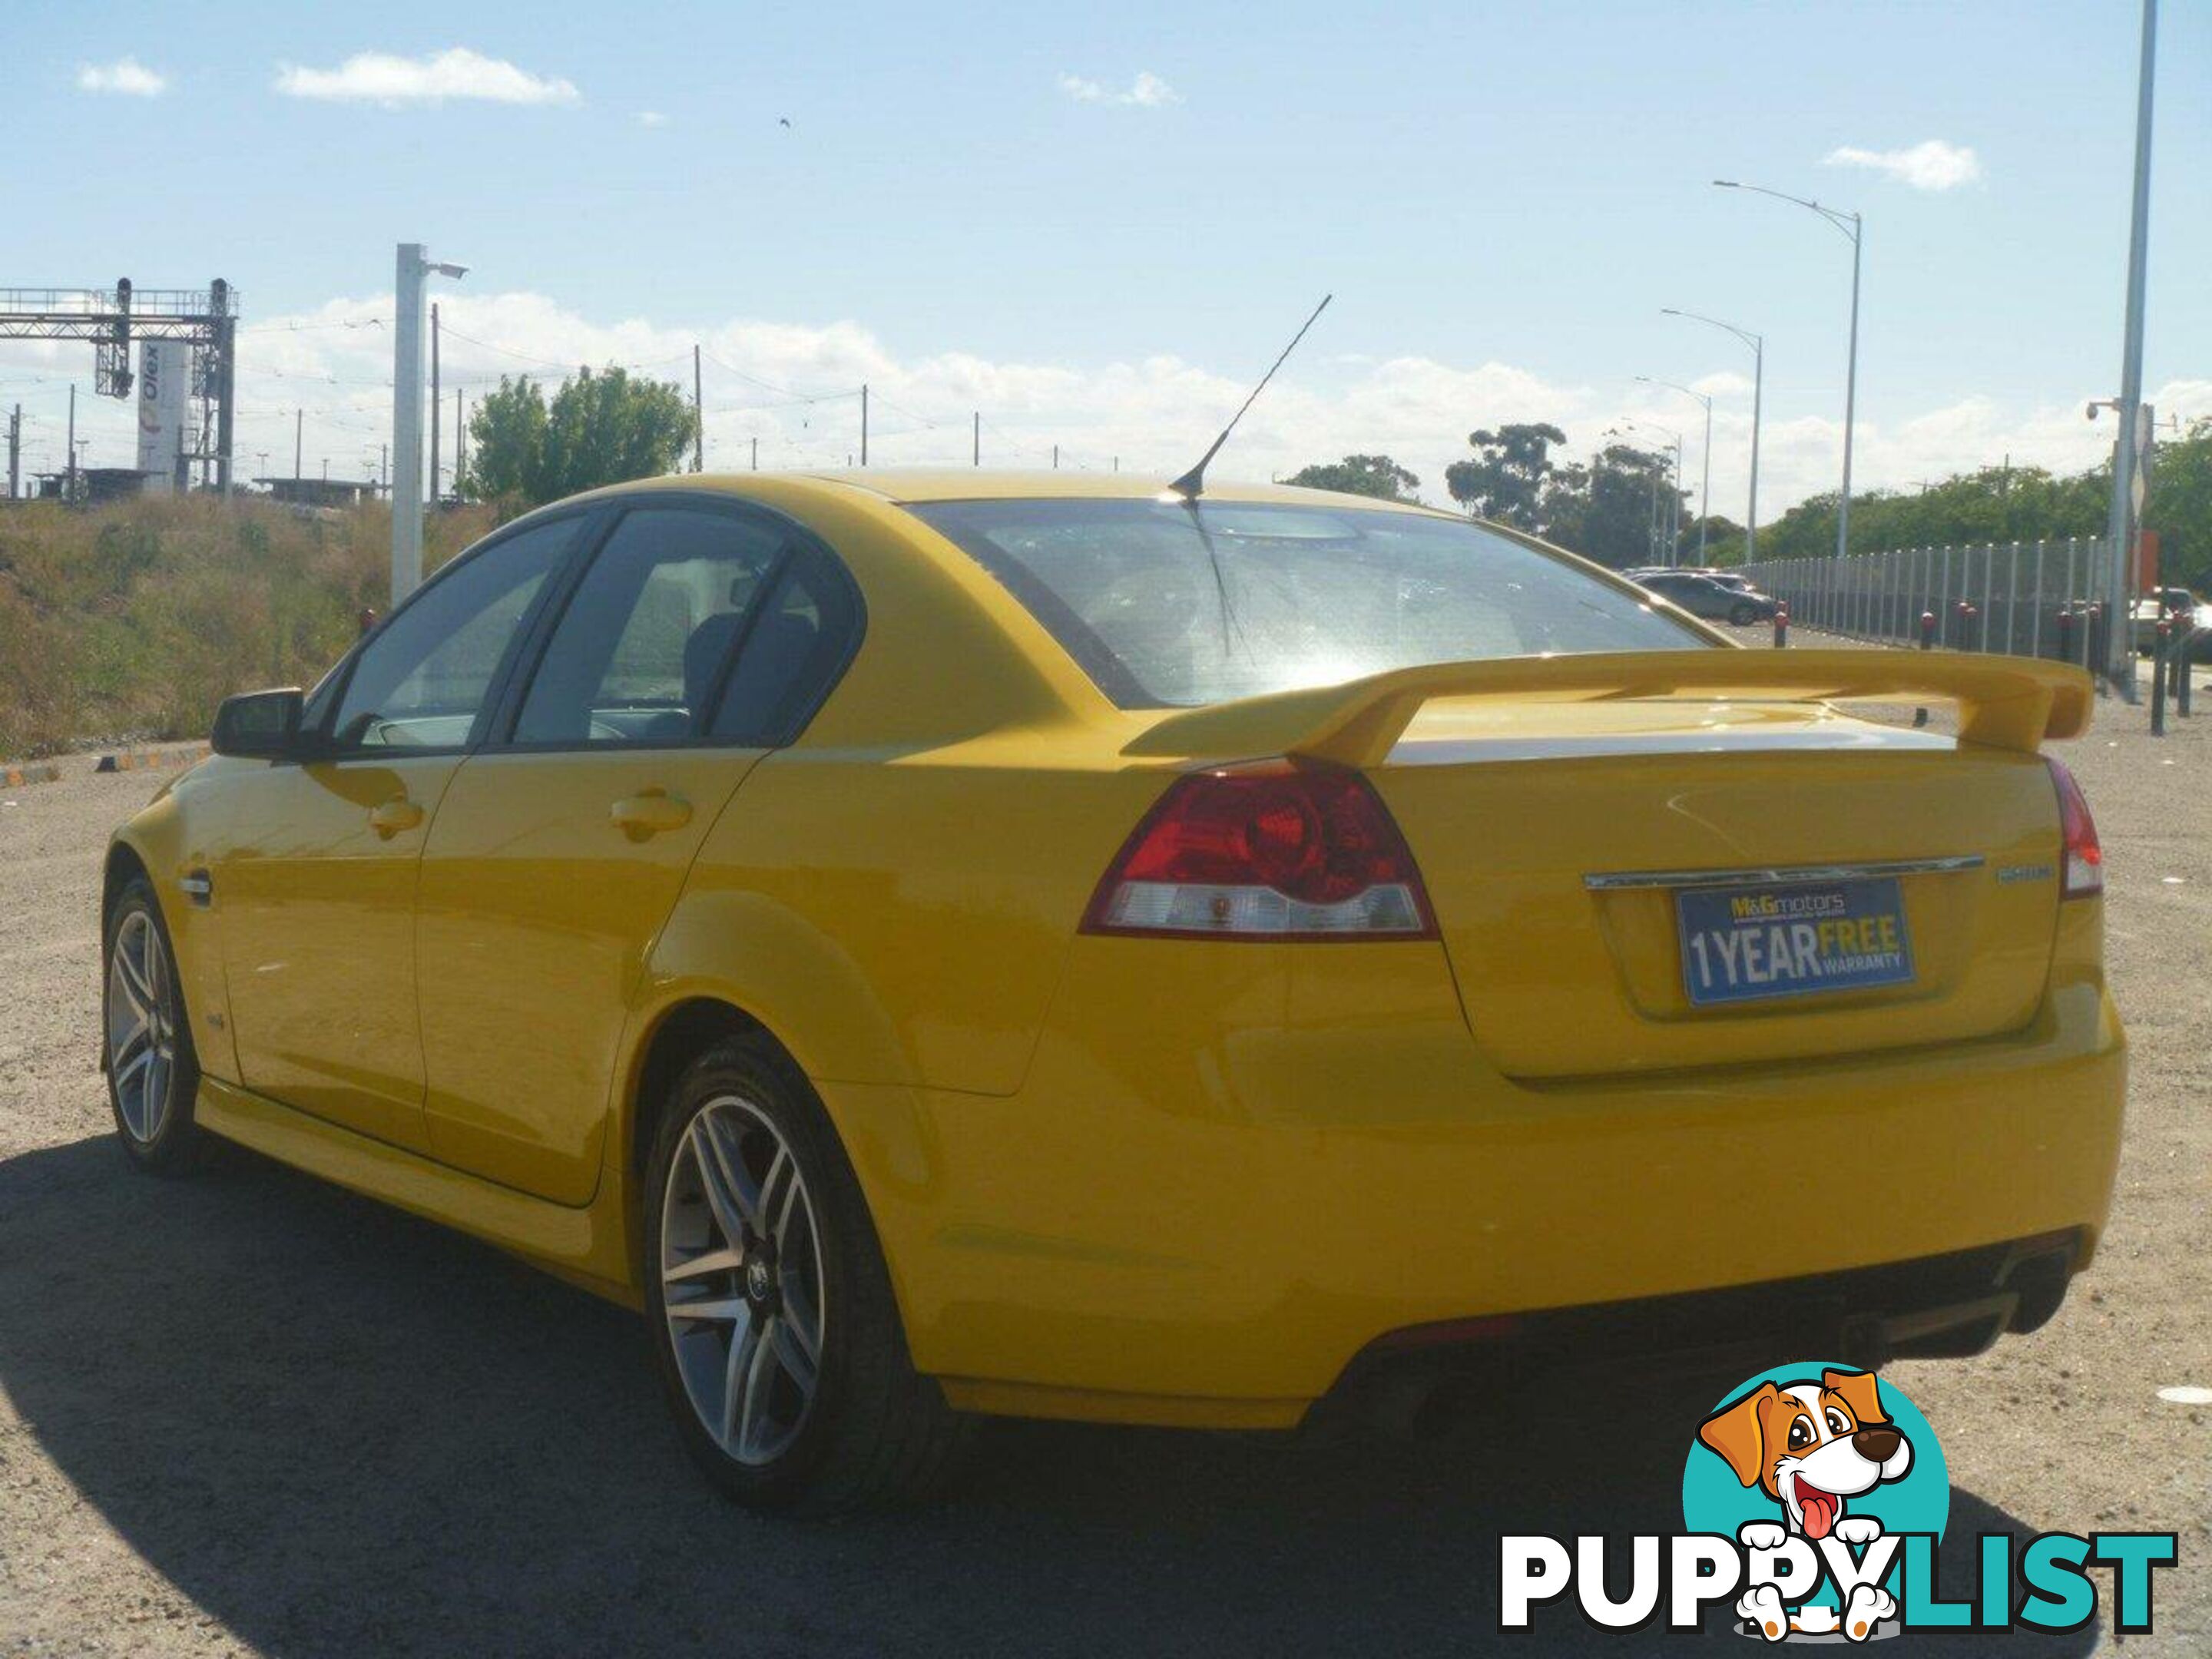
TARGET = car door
(313,876)
(560,850)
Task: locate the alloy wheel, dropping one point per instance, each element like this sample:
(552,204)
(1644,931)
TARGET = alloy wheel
(741,1280)
(141,1027)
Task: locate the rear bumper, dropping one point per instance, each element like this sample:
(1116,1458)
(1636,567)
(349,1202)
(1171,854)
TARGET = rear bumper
(1209,1227)
(1937,1307)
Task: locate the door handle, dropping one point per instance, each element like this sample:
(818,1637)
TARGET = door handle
(396,814)
(650,812)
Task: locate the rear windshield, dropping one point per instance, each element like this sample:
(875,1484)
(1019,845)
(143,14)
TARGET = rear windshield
(1166,605)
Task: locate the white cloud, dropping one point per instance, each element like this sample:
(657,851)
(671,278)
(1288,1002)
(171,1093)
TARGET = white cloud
(381,77)
(650,118)
(1932,164)
(126,76)
(1147,91)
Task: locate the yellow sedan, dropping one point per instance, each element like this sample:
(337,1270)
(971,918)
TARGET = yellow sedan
(957,944)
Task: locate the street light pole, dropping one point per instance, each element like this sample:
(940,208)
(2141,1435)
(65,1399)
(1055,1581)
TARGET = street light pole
(414,270)
(1851,225)
(1704,489)
(2119,636)
(1758,344)
(1674,495)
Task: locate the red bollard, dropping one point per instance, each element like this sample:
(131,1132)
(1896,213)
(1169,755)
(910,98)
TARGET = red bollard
(1781,626)
(367,619)
(1927,631)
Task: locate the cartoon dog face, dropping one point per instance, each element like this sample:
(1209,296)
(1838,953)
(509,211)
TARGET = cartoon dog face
(1811,1445)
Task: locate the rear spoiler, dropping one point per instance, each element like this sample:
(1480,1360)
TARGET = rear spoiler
(2005,702)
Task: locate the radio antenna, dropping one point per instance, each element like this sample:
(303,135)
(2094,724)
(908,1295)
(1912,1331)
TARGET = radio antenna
(1192,484)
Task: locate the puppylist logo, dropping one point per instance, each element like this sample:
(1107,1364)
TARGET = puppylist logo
(1813,1500)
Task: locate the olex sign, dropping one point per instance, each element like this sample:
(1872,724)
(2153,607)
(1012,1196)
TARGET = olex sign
(1812,1501)
(165,373)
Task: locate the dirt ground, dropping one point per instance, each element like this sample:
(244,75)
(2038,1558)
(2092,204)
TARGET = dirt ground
(250,1413)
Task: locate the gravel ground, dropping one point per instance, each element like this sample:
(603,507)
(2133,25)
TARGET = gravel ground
(250,1413)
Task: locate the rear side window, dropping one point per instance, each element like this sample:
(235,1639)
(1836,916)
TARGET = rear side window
(792,654)
(1170,605)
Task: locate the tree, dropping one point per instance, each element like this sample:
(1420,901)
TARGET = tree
(601,429)
(2179,506)
(1505,481)
(1605,510)
(1359,475)
(507,444)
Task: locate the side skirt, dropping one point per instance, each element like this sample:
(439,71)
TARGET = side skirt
(584,1247)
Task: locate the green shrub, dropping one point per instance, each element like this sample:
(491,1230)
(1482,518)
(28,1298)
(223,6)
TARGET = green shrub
(134,620)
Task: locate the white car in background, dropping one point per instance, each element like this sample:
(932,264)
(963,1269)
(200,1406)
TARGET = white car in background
(2177,605)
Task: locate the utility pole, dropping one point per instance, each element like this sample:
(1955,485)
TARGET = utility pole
(1056,457)
(69,460)
(979,437)
(383,469)
(414,268)
(757,454)
(460,439)
(299,439)
(698,415)
(1851,394)
(15,452)
(226,379)
(864,423)
(2119,637)
(435,400)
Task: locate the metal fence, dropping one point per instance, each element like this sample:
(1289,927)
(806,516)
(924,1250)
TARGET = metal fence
(2027,598)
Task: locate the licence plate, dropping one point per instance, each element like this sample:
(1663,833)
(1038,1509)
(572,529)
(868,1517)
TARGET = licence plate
(1748,944)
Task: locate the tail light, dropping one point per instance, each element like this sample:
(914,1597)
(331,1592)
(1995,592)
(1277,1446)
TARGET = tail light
(2083,874)
(1276,849)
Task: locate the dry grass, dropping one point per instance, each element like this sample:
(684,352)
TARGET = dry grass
(134,620)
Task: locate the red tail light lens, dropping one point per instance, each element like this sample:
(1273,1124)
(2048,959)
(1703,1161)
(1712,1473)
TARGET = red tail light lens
(2082,874)
(1272,849)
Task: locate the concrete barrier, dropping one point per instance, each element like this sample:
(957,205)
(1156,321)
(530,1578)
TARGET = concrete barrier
(148,760)
(15,777)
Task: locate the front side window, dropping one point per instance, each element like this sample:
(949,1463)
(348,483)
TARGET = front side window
(1166,603)
(643,646)
(423,680)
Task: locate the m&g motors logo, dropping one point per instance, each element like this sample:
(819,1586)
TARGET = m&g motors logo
(1812,1499)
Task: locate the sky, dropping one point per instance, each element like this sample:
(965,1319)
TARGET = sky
(1098,227)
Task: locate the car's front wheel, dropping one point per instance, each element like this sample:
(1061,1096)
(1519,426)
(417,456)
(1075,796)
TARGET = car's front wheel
(152,1072)
(1744,614)
(778,1338)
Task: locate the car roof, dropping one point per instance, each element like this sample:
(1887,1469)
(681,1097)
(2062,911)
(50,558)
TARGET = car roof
(903,485)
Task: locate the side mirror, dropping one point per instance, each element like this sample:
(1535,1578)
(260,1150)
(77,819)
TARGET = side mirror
(259,725)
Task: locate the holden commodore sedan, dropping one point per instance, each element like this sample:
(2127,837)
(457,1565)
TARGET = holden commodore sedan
(945,945)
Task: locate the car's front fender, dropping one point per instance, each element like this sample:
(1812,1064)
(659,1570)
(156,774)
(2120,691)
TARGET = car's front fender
(165,838)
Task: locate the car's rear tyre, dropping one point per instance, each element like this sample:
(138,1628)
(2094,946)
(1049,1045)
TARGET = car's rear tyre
(1744,614)
(773,1325)
(153,1073)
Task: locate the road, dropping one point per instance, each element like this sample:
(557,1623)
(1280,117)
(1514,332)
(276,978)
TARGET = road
(250,1413)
